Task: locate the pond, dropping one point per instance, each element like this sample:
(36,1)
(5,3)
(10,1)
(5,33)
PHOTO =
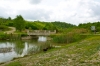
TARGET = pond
(20,48)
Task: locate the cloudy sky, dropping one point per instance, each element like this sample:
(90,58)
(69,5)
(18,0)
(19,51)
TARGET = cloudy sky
(70,11)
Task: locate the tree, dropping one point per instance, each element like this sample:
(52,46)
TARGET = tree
(49,26)
(9,18)
(19,23)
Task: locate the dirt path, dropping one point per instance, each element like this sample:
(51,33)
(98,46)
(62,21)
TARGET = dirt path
(13,29)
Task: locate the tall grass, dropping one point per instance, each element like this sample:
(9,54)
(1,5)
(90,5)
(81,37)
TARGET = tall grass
(69,37)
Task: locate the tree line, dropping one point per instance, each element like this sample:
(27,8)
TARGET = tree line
(20,23)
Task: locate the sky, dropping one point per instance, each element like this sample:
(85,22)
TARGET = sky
(69,11)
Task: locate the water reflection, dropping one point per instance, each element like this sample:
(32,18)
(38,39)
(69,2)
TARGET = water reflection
(42,38)
(12,49)
(19,46)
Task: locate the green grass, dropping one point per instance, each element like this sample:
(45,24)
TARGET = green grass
(81,53)
(14,64)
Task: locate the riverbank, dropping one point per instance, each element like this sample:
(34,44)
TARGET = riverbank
(83,53)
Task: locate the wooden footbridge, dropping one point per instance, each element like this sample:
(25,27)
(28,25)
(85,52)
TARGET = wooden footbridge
(41,32)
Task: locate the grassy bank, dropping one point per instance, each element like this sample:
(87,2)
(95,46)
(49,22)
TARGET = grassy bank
(83,53)
(14,36)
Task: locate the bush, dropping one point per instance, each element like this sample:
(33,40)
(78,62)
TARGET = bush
(23,34)
(3,36)
(2,27)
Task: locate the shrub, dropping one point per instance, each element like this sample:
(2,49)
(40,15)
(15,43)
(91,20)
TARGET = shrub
(3,36)
(23,34)
(2,27)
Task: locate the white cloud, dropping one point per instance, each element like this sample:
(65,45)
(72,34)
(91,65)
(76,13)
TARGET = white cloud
(71,11)
(35,1)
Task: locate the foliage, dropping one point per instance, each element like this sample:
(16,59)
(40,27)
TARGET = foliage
(6,21)
(49,26)
(88,25)
(69,37)
(23,34)
(30,25)
(4,36)
(19,23)
(38,25)
(79,30)
(17,36)
(62,25)
(3,28)
(2,21)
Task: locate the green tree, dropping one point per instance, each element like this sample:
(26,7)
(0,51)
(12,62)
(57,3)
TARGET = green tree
(9,18)
(49,26)
(19,23)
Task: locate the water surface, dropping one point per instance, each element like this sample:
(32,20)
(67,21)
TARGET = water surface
(20,48)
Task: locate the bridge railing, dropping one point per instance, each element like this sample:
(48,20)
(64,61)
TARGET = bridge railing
(41,32)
